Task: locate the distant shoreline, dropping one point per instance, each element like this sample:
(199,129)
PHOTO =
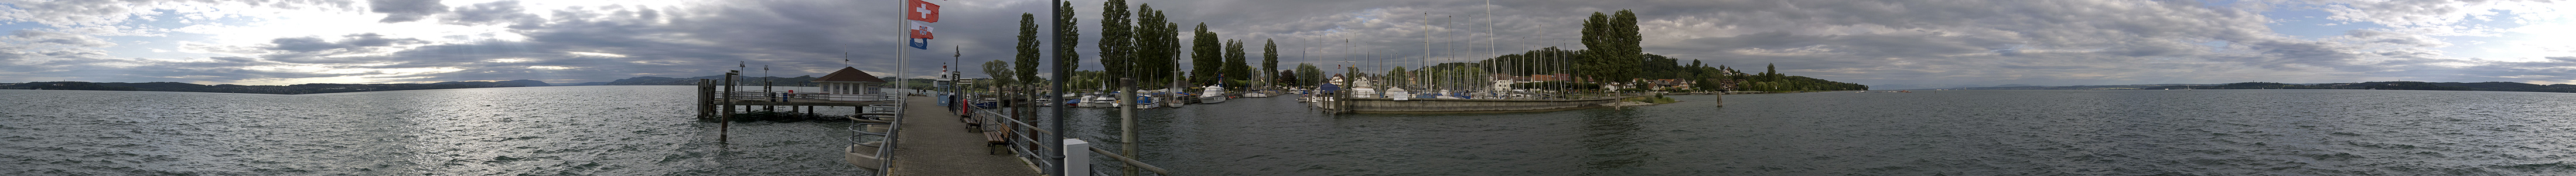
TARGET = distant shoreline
(2384,85)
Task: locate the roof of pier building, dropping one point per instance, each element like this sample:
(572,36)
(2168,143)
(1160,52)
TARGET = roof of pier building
(848,74)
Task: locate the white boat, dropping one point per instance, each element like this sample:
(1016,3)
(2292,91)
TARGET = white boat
(1256,94)
(1092,101)
(1212,95)
(1398,93)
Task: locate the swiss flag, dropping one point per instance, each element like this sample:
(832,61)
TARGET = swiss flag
(922,11)
(921,31)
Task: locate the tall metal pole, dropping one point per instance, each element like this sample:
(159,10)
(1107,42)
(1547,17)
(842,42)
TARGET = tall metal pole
(1055,25)
(902,59)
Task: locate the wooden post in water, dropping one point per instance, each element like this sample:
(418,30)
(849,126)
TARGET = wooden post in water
(1127,122)
(724,126)
(706,91)
(1719,99)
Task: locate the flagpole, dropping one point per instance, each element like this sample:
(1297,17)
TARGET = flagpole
(902,59)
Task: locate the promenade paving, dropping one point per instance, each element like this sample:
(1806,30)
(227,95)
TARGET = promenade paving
(934,142)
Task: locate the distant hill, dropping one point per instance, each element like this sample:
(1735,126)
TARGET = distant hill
(286,89)
(2384,85)
(2403,85)
(2083,87)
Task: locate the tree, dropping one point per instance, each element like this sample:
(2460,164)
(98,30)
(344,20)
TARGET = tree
(1116,41)
(1310,75)
(1270,58)
(1235,66)
(1614,53)
(1157,47)
(1283,77)
(1000,71)
(1395,77)
(1771,72)
(1027,67)
(1205,58)
(1067,60)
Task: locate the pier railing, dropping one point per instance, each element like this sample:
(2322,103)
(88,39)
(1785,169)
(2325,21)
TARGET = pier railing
(1027,147)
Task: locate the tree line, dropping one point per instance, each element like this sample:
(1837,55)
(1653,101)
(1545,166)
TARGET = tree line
(1144,44)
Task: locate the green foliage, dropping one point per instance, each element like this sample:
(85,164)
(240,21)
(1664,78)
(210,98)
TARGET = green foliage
(1235,67)
(1285,78)
(1550,60)
(1269,59)
(1614,54)
(1000,71)
(1396,77)
(1027,67)
(1067,60)
(1206,58)
(1158,48)
(1116,39)
(1310,75)
(1797,83)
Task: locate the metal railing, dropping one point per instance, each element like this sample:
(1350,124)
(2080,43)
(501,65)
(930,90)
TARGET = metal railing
(1022,143)
(880,115)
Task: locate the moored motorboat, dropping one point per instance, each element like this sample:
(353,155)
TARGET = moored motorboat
(1212,95)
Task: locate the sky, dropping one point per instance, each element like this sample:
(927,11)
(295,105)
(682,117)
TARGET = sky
(1885,44)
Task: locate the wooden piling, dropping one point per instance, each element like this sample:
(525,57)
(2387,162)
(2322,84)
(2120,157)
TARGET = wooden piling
(724,126)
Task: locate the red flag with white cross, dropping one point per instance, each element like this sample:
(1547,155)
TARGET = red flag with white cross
(922,11)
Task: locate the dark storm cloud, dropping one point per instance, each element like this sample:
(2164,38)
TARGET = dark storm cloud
(405,10)
(311,49)
(497,12)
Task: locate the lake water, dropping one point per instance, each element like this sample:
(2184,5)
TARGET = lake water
(646,130)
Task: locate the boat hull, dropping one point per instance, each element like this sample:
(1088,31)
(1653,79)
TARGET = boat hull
(1211,100)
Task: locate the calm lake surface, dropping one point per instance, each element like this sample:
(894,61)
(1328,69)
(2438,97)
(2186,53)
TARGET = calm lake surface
(646,130)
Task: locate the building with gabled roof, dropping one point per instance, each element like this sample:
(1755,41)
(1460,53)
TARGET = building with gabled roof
(849,81)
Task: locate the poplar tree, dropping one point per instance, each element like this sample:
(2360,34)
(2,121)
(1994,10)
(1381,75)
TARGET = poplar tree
(1155,47)
(1064,46)
(1205,57)
(1613,54)
(1116,41)
(1269,60)
(1027,67)
(1235,67)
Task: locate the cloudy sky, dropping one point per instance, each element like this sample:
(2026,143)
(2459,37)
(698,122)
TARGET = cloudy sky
(1887,44)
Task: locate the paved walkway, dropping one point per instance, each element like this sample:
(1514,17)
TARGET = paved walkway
(934,142)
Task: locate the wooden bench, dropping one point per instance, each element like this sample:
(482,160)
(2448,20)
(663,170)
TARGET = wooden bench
(996,135)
